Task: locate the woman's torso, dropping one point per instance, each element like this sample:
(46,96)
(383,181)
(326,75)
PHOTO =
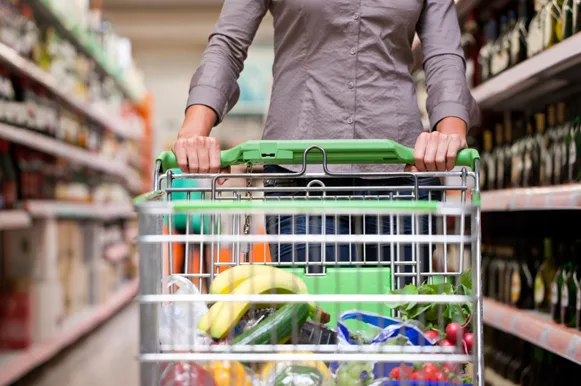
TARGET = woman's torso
(342,71)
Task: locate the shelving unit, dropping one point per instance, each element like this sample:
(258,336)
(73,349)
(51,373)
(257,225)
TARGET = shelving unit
(14,219)
(57,148)
(31,70)
(56,209)
(545,73)
(76,38)
(117,252)
(14,365)
(565,197)
(535,328)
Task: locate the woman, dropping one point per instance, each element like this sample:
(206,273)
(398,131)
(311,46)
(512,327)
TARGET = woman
(341,71)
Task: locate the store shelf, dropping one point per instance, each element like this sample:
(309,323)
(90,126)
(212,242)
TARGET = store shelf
(14,219)
(540,75)
(35,73)
(57,148)
(535,328)
(117,252)
(15,364)
(541,198)
(105,212)
(74,37)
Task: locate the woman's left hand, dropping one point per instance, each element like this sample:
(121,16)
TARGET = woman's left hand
(436,151)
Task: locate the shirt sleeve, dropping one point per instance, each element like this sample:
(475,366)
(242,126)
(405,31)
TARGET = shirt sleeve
(444,65)
(215,83)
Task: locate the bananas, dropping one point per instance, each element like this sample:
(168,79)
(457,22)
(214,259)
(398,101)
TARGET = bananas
(227,281)
(222,317)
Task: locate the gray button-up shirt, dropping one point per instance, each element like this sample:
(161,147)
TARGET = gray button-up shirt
(341,68)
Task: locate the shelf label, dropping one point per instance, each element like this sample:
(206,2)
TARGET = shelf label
(544,338)
(514,323)
(573,347)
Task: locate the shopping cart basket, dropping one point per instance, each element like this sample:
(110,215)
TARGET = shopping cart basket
(356,244)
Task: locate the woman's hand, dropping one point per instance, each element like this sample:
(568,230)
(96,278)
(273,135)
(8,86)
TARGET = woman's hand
(195,151)
(436,151)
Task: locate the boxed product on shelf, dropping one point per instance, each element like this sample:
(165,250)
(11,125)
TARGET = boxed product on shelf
(30,312)
(31,253)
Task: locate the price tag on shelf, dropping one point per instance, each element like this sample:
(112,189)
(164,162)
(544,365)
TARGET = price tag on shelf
(544,338)
(573,347)
(514,323)
(499,316)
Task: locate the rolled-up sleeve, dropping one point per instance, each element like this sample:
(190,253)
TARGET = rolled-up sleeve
(215,83)
(444,65)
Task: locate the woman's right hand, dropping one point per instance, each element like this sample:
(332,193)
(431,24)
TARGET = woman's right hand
(195,150)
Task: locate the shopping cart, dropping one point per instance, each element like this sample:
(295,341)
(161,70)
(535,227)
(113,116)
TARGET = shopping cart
(319,227)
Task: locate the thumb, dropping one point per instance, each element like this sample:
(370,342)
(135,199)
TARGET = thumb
(411,169)
(221,180)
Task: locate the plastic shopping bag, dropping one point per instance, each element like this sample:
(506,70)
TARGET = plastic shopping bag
(178,320)
(387,331)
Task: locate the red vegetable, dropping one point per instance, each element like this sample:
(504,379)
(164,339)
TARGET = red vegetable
(395,373)
(454,332)
(418,376)
(406,372)
(432,335)
(449,367)
(184,374)
(469,340)
(446,343)
(438,376)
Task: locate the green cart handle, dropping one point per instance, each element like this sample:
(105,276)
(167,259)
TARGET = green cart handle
(339,151)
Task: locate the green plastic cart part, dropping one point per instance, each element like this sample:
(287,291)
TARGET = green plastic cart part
(346,152)
(304,205)
(349,281)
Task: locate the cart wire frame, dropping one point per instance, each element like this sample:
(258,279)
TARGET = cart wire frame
(225,213)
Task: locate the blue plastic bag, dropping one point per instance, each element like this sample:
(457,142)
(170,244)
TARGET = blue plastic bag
(387,329)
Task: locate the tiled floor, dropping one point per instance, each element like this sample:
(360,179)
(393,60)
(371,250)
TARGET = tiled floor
(106,357)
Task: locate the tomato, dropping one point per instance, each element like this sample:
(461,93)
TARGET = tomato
(430,368)
(454,332)
(395,373)
(406,372)
(418,376)
(429,371)
(469,340)
(438,376)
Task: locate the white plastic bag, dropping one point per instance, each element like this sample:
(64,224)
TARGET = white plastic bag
(178,320)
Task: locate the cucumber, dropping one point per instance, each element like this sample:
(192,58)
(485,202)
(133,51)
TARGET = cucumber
(277,327)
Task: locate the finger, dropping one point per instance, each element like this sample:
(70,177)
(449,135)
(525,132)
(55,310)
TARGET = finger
(430,154)
(410,169)
(181,155)
(453,149)
(203,155)
(193,163)
(420,150)
(214,152)
(442,150)
(222,180)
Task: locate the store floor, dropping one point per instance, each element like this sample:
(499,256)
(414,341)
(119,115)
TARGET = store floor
(106,357)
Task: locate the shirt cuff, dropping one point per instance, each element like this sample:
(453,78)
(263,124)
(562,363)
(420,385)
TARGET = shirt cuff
(211,97)
(449,109)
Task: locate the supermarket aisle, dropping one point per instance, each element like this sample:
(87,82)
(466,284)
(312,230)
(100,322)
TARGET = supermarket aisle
(105,357)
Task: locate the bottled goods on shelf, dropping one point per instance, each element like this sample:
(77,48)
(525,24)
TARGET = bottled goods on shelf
(26,174)
(503,38)
(508,358)
(529,275)
(539,149)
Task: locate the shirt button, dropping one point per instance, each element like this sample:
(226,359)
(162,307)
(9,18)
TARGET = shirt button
(350,120)
(351,84)
(356,16)
(352,51)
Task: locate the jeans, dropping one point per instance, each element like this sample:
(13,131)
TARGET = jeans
(347,254)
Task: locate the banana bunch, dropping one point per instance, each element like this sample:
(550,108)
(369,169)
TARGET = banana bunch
(247,279)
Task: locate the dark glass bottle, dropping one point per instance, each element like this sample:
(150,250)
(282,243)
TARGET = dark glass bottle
(557,283)
(543,158)
(531,158)
(507,149)
(499,154)
(567,19)
(488,169)
(486,52)
(522,286)
(518,44)
(570,288)
(544,278)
